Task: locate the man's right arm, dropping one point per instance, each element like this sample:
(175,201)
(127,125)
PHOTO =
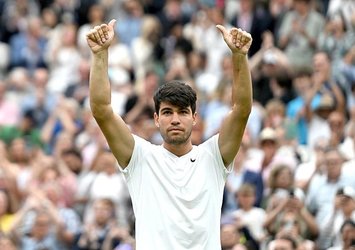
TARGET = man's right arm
(116,132)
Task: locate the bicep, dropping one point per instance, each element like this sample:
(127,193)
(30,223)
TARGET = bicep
(118,136)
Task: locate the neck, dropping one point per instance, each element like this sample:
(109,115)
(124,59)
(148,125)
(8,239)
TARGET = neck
(180,149)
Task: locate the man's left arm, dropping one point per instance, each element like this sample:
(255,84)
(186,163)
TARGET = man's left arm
(233,126)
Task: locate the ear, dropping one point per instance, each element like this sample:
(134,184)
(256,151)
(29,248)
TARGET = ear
(156,119)
(194,117)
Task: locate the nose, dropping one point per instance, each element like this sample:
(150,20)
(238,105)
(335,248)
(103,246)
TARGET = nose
(175,119)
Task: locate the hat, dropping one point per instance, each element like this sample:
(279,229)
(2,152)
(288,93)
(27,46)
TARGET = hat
(268,134)
(326,102)
(269,57)
(347,191)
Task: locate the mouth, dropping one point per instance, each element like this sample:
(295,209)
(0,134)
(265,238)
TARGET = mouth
(175,130)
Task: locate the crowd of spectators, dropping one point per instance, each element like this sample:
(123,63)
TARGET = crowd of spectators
(293,182)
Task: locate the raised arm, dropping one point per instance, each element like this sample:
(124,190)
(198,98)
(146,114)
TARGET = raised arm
(113,127)
(233,126)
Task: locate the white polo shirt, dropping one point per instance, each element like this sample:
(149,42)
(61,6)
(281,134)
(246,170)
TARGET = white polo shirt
(176,200)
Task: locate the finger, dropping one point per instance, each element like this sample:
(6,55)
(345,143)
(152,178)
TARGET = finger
(91,35)
(234,33)
(112,23)
(104,29)
(222,29)
(101,34)
(239,37)
(244,38)
(97,35)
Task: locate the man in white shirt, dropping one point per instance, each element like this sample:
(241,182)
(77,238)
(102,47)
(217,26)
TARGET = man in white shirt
(176,187)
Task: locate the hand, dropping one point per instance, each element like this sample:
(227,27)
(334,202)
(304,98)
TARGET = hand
(238,41)
(101,36)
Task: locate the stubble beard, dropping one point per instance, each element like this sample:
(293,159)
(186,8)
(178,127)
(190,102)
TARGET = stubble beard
(177,140)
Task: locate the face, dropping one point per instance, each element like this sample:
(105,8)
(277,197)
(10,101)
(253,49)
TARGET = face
(348,234)
(41,226)
(302,84)
(336,122)
(175,123)
(107,162)
(280,244)
(246,200)
(284,178)
(102,212)
(334,163)
(229,236)
(321,63)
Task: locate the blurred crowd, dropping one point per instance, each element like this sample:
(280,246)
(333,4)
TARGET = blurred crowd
(293,181)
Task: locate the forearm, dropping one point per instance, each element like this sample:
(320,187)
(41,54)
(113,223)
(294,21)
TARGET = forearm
(310,221)
(242,87)
(100,91)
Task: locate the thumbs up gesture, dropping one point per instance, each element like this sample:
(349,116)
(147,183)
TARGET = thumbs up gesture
(238,41)
(101,36)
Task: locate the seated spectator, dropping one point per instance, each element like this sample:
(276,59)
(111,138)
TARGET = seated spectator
(234,238)
(247,215)
(281,180)
(44,232)
(107,183)
(347,231)
(313,167)
(343,209)
(26,128)
(288,216)
(239,176)
(322,191)
(28,46)
(102,231)
(269,154)
(299,31)
(284,243)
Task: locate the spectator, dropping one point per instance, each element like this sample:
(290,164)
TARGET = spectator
(64,59)
(26,129)
(322,190)
(108,184)
(28,46)
(102,231)
(299,31)
(347,231)
(249,216)
(343,210)
(129,25)
(253,19)
(229,236)
(269,154)
(239,176)
(145,46)
(40,234)
(336,40)
(285,243)
(289,217)
(96,16)
(39,101)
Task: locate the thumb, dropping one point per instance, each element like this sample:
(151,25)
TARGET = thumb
(222,29)
(112,23)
